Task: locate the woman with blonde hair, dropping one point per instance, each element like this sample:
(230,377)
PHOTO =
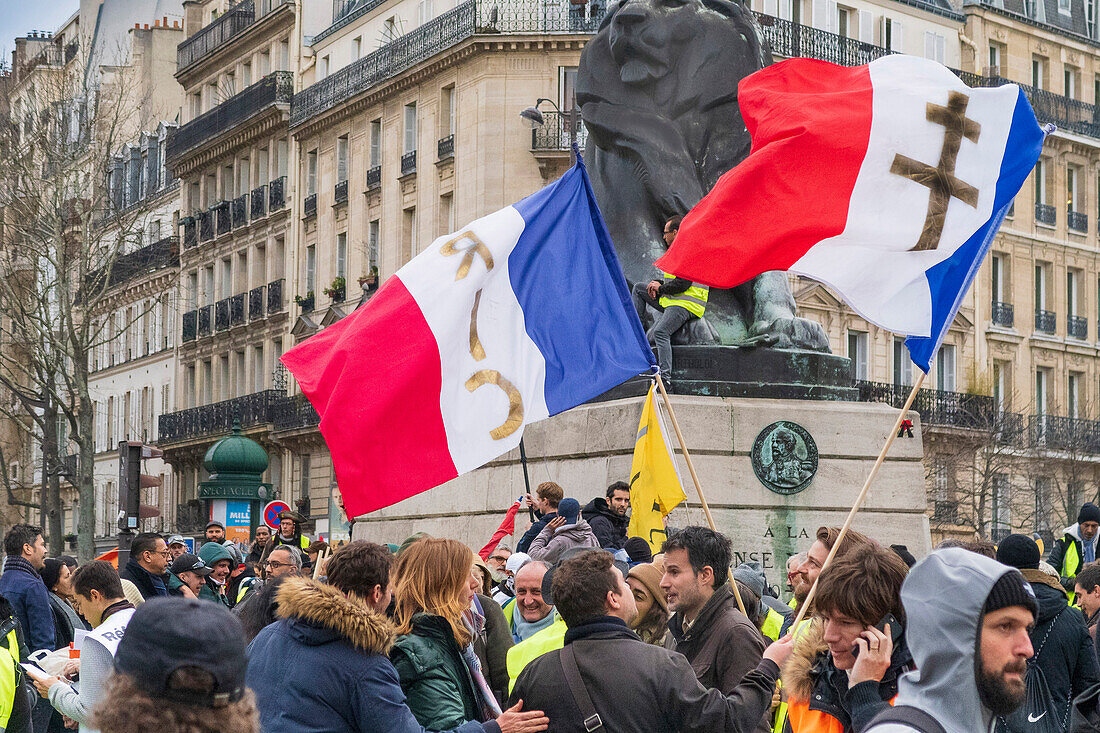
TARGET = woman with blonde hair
(440,674)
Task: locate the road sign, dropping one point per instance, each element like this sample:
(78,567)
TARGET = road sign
(272,512)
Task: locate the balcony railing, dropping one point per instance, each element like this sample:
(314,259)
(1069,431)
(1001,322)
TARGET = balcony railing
(224,28)
(307,303)
(1077,221)
(936,407)
(276,194)
(158,255)
(340,193)
(190,231)
(275,296)
(189,324)
(221,315)
(221,216)
(553,134)
(275,88)
(206,226)
(445,148)
(294,412)
(1070,434)
(240,211)
(408,163)
(1077,327)
(256,303)
(236,310)
(1002,314)
(1045,321)
(792,39)
(258,199)
(1045,214)
(374,177)
(309,206)
(253,409)
(206,317)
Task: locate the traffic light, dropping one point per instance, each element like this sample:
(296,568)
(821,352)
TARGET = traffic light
(131,481)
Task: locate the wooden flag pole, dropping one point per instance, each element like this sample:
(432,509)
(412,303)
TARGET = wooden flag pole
(859,499)
(698,487)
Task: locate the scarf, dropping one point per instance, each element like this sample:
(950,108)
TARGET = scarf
(18,562)
(523,629)
(1088,548)
(487,701)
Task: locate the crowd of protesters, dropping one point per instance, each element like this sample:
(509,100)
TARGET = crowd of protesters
(582,628)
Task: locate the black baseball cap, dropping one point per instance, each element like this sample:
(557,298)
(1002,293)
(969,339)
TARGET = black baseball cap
(168,634)
(190,563)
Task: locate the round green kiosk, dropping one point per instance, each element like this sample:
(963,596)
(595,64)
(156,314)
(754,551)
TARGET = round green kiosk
(235,492)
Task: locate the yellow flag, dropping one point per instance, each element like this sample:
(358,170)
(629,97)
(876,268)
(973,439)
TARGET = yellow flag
(655,488)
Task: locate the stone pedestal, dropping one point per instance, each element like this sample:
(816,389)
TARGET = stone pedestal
(591,446)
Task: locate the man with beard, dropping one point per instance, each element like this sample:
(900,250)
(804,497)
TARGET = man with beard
(1077,546)
(263,534)
(968,619)
(608,516)
(807,572)
(215,531)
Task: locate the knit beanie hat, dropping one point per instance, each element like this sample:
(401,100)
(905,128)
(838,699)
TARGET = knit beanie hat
(1011,590)
(638,550)
(1019,551)
(1089,513)
(752,575)
(650,576)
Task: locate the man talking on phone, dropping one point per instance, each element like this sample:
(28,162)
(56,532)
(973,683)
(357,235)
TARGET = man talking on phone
(845,666)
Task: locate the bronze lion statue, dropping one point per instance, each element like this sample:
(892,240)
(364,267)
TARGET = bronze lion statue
(657,89)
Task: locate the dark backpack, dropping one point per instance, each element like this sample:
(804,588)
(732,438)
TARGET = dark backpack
(908,715)
(1040,713)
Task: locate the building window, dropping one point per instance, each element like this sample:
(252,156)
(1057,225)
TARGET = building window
(447,112)
(408,235)
(410,128)
(373,235)
(997,266)
(903,365)
(857,353)
(1002,508)
(1038,72)
(1073,395)
(945,368)
(567,87)
(1000,386)
(994,68)
(1072,178)
(311,172)
(356,47)
(446,214)
(341,158)
(322,67)
(342,255)
(303,487)
(1041,379)
(1069,80)
(935,47)
(375,143)
(424,11)
(311,267)
(1072,292)
(1063,7)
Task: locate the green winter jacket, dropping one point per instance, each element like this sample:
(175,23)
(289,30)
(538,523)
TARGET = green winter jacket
(211,553)
(436,682)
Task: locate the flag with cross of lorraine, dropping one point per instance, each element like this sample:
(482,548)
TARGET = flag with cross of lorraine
(886,182)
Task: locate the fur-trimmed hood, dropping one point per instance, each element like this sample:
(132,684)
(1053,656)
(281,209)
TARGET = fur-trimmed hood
(808,644)
(312,606)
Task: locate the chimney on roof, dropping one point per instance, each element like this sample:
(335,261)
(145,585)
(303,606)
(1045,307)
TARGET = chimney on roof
(175,24)
(165,24)
(137,26)
(146,26)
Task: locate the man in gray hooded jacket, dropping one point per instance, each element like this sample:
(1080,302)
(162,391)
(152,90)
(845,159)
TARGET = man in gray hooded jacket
(968,632)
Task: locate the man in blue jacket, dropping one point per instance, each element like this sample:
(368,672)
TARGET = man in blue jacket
(323,665)
(24,589)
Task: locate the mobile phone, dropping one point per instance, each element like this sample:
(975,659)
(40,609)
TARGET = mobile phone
(34,672)
(896,631)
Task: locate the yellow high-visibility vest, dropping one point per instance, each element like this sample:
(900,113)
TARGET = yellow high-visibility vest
(773,622)
(1070,565)
(528,650)
(694,298)
(10,672)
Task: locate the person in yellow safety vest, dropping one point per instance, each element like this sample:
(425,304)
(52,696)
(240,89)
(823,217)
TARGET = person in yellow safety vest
(1076,547)
(679,301)
(15,705)
(525,652)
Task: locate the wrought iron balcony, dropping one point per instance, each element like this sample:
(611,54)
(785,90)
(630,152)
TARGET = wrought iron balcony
(1045,214)
(553,134)
(294,412)
(206,317)
(1002,314)
(340,193)
(158,255)
(236,310)
(275,88)
(1069,434)
(445,148)
(374,177)
(256,303)
(224,28)
(408,163)
(792,39)
(216,419)
(937,407)
(1077,221)
(276,194)
(1045,321)
(275,296)
(259,202)
(206,226)
(189,324)
(239,208)
(221,315)
(221,216)
(1077,327)
(306,302)
(309,206)
(945,512)
(190,231)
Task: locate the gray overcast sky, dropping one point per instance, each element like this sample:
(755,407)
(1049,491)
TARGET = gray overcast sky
(17,17)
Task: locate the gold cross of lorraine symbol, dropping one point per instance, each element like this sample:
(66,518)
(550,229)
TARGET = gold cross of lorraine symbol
(940,179)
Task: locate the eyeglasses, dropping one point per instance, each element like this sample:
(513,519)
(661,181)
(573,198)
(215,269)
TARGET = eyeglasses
(275,564)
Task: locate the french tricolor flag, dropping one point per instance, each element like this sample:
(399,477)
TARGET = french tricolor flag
(516,317)
(886,182)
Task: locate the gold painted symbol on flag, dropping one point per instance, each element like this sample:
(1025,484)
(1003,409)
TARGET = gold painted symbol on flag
(473,246)
(515,400)
(940,179)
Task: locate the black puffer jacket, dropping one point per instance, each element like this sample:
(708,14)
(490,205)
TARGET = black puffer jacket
(609,527)
(1063,647)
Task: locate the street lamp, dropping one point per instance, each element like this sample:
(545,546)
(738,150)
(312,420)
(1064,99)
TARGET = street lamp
(535,118)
